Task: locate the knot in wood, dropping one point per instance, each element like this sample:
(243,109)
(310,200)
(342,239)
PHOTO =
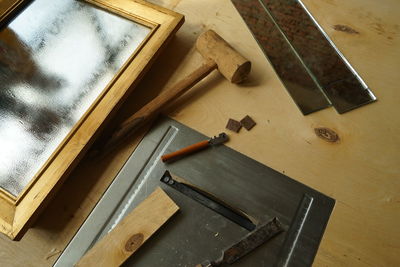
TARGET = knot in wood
(134,242)
(327,134)
(345,28)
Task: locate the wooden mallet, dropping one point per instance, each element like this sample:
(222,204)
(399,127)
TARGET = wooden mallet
(218,54)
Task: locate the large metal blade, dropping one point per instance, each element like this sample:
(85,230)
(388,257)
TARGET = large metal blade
(313,70)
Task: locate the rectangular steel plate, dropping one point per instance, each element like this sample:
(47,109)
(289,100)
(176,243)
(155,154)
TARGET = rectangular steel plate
(197,233)
(313,70)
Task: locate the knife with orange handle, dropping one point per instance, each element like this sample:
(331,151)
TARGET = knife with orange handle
(216,140)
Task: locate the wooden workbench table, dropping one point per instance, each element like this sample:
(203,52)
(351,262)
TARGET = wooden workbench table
(361,171)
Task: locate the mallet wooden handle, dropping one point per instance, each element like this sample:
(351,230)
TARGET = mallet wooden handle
(185,151)
(219,54)
(155,106)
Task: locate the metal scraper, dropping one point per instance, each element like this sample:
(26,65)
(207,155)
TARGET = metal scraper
(250,242)
(209,201)
(313,70)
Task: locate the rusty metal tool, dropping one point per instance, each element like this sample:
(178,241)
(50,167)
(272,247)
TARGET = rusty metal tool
(216,140)
(209,201)
(250,242)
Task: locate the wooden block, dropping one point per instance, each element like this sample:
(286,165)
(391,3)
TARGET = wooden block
(248,123)
(233,125)
(131,232)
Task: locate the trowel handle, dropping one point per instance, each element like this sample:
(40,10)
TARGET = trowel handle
(154,107)
(185,151)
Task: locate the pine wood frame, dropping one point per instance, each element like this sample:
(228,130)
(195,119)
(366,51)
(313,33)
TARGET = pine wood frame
(9,6)
(17,213)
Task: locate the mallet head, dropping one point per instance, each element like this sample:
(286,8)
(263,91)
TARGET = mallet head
(232,65)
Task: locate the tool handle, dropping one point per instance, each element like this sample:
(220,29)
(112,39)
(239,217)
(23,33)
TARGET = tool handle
(155,106)
(187,150)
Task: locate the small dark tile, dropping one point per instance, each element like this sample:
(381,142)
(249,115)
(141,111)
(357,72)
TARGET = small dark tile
(233,125)
(247,123)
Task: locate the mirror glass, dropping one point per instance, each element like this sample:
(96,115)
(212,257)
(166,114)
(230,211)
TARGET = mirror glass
(56,58)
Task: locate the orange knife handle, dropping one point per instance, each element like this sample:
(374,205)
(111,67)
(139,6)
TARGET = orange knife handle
(185,151)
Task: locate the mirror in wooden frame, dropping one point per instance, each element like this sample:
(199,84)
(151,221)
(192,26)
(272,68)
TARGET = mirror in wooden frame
(64,65)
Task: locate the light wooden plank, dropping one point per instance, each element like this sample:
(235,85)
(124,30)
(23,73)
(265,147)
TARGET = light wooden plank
(131,233)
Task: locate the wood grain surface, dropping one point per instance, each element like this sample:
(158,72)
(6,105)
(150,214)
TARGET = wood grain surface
(361,171)
(7,7)
(132,232)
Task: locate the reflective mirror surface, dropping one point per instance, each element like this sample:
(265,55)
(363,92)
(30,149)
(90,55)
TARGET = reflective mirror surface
(56,57)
